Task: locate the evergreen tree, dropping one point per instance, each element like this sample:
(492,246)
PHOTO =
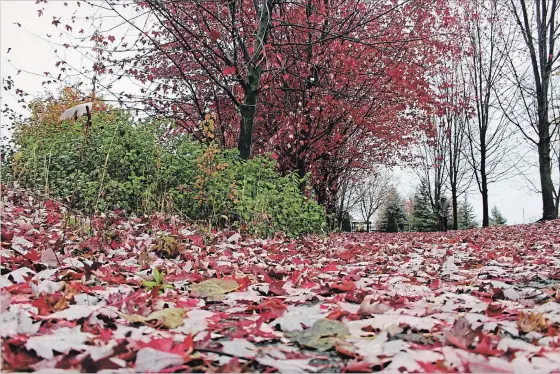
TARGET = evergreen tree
(496,217)
(466,216)
(423,217)
(392,218)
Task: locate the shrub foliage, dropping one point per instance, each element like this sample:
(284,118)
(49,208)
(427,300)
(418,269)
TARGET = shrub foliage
(141,169)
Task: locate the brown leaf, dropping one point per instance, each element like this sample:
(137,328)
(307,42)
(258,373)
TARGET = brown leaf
(498,294)
(61,304)
(461,334)
(532,322)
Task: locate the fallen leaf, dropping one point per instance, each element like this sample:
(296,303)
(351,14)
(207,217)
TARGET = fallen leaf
(169,317)
(322,336)
(295,317)
(60,340)
(528,322)
(288,366)
(19,274)
(214,289)
(367,307)
(74,312)
(48,257)
(154,361)
(461,334)
(240,348)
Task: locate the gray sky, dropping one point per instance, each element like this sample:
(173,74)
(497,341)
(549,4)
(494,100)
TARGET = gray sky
(29,53)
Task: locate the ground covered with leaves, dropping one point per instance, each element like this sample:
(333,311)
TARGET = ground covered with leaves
(157,295)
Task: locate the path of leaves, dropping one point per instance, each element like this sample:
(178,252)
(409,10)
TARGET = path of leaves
(85,296)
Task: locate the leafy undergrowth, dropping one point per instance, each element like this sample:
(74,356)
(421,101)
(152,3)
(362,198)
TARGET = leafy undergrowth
(86,295)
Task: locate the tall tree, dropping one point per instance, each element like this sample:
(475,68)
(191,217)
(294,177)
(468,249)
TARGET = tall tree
(453,115)
(434,164)
(333,63)
(371,193)
(489,41)
(539,27)
(346,199)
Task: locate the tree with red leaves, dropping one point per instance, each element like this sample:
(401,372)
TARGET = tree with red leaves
(321,70)
(326,85)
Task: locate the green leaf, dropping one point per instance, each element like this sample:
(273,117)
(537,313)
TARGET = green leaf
(149,284)
(157,276)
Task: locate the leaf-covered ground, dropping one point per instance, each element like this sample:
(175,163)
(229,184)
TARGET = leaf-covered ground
(83,295)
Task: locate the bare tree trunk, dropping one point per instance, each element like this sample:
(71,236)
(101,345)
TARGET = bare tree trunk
(454,201)
(547,187)
(538,24)
(484,189)
(489,134)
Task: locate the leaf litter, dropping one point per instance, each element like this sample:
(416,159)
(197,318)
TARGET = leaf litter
(99,294)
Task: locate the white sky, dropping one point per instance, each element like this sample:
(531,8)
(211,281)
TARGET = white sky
(28,52)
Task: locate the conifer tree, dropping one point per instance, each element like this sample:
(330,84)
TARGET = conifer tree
(496,217)
(467,218)
(392,218)
(423,217)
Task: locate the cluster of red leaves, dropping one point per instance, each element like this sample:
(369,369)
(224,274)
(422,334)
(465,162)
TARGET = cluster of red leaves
(72,297)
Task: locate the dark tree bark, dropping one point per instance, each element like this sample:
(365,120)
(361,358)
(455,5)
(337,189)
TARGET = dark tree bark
(487,134)
(538,23)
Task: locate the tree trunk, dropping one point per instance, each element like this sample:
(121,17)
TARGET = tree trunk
(248,111)
(545,171)
(249,107)
(484,193)
(323,198)
(484,183)
(455,208)
(485,209)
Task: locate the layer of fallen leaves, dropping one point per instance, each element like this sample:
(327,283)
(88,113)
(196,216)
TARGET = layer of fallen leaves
(84,294)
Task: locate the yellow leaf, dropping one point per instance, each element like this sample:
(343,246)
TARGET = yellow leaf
(214,289)
(532,322)
(170,317)
(133,317)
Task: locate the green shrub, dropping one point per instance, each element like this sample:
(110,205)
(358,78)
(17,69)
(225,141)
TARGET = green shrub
(122,165)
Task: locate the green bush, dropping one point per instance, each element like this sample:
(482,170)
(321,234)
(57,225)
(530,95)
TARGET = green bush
(122,165)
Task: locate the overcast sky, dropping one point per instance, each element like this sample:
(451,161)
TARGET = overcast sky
(33,54)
